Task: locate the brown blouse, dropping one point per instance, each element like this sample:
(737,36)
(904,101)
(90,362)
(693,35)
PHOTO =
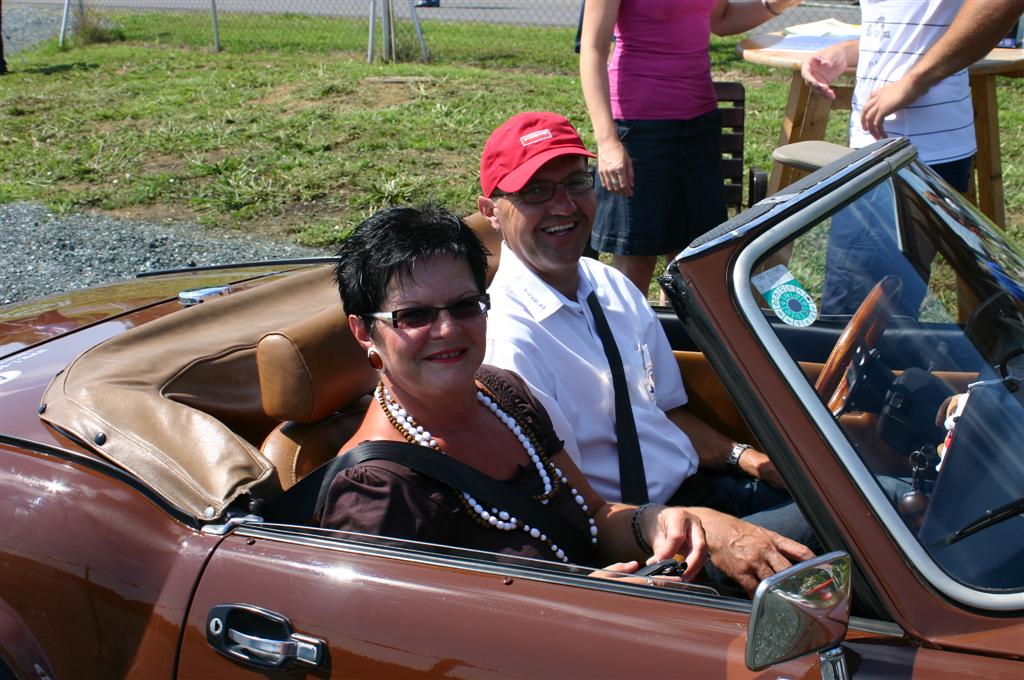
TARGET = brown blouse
(388,499)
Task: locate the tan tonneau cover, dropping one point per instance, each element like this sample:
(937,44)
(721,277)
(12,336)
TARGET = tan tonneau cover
(173,401)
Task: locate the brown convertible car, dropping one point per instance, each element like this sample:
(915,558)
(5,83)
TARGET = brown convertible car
(864,326)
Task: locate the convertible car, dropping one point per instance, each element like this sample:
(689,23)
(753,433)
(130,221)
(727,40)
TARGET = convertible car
(864,326)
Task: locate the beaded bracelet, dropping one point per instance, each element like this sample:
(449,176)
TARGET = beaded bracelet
(769,8)
(638,534)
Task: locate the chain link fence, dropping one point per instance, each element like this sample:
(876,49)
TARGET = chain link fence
(379,29)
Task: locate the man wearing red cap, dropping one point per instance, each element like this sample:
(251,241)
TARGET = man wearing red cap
(549,309)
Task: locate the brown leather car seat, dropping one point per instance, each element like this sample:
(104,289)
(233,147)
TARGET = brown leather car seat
(314,377)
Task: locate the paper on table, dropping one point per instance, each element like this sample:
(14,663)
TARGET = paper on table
(824,27)
(808,43)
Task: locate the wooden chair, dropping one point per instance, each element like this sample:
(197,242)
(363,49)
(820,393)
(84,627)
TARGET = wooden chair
(732,98)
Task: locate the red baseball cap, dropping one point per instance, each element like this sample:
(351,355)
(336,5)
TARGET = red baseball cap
(523,143)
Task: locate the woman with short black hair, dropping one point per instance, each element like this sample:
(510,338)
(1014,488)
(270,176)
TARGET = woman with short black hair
(412,284)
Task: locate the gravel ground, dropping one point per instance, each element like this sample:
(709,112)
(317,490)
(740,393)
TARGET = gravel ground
(49,253)
(24,26)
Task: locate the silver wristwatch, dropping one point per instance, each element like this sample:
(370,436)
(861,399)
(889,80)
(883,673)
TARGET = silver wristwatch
(737,451)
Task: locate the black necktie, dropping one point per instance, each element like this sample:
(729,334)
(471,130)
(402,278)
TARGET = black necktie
(632,480)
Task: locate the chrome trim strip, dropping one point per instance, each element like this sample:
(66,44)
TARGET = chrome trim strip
(305,536)
(819,413)
(329,540)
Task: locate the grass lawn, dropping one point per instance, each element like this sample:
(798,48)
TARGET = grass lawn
(290,132)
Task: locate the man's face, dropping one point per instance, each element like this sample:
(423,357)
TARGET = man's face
(549,237)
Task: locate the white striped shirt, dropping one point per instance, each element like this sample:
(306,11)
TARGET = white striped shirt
(894,35)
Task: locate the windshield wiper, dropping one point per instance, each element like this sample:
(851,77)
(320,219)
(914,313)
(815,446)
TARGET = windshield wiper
(987,519)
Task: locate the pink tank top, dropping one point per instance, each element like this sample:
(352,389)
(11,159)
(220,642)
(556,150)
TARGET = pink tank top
(661,68)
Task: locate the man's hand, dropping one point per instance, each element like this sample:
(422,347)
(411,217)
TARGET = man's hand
(746,553)
(886,100)
(671,531)
(759,466)
(821,68)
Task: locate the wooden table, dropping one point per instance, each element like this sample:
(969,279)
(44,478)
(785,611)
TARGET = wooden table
(807,114)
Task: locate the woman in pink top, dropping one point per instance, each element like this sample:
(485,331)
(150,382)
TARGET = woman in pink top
(655,117)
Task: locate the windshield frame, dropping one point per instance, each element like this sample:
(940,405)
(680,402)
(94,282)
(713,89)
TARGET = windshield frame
(828,197)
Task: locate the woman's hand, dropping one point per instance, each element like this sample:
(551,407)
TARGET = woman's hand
(671,531)
(620,571)
(615,168)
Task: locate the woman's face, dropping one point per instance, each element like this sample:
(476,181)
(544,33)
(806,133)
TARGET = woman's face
(438,358)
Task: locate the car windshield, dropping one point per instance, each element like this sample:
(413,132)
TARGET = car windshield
(904,308)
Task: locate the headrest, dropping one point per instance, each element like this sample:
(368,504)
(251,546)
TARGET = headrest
(312,368)
(491,239)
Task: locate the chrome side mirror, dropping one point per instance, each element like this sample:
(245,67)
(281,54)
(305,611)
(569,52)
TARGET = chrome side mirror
(801,610)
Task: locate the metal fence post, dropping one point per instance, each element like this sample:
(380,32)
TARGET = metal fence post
(419,30)
(64,22)
(388,29)
(216,28)
(373,32)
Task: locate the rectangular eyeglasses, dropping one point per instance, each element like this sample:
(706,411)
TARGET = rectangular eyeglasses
(542,192)
(418,317)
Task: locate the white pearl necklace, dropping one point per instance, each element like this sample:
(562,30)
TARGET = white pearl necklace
(499,519)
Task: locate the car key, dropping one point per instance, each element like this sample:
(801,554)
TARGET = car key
(669,567)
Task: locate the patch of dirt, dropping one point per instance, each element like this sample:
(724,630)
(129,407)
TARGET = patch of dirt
(374,92)
(276,95)
(296,216)
(389,80)
(157,212)
(384,92)
(163,164)
(105,127)
(215,156)
(749,82)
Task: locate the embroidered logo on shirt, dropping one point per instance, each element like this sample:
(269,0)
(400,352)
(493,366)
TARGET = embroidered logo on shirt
(534,137)
(648,363)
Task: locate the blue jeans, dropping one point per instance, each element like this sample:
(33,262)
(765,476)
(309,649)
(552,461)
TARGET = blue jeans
(862,249)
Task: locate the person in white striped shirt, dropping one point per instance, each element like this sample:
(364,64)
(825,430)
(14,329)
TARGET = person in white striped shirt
(912,81)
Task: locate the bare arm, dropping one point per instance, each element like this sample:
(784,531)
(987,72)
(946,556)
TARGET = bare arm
(742,551)
(714,448)
(614,166)
(822,68)
(977,28)
(730,17)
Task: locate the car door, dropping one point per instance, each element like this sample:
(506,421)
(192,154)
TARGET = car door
(396,608)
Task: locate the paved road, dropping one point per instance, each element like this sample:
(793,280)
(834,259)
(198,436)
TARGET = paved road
(538,12)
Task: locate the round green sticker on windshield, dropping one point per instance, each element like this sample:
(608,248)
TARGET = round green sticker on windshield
(793,305)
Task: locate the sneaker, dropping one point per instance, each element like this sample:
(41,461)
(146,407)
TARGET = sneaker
(428,3)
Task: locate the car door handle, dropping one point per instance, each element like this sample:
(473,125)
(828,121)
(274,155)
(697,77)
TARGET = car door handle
(298,647)
(259,637)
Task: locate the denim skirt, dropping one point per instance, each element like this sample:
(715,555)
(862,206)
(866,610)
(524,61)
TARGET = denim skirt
(678,189)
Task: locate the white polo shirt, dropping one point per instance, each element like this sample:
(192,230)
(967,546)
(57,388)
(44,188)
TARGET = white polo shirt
(553,344)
